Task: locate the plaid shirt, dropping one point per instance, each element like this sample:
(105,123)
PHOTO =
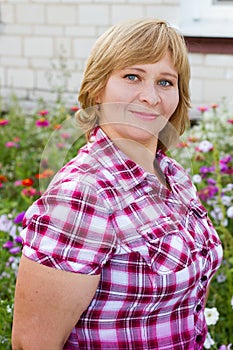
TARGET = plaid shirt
(156,249)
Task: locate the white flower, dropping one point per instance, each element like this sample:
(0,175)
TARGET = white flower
(211,315)
(226,200)
(230,212)
(205,146)
(232,302)
(208,341)
(197,179)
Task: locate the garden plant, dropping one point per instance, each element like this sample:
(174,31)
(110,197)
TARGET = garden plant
(35,144)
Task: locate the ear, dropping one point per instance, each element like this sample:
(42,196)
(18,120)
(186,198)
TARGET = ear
(98,99)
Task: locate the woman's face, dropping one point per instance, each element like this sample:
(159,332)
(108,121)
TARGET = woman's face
(138,101)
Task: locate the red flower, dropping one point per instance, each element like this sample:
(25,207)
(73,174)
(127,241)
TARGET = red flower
(43,112)
(4,122)
(45,174)
(74,108)
(3,178)
(182,144)
(57,126)
(203,109)
(27,182)
(230,121)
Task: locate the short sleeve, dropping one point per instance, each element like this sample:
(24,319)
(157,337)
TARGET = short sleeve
(69,228)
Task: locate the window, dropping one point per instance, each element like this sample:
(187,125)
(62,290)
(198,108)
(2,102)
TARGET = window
(208,18)
(216,2)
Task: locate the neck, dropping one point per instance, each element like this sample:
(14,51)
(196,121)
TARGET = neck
(137,152)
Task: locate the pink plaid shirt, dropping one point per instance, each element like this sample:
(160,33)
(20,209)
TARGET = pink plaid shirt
(156,249)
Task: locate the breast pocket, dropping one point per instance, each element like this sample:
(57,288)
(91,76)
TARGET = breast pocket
(170,247)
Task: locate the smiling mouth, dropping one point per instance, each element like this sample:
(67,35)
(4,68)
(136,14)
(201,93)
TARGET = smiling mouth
(144,115)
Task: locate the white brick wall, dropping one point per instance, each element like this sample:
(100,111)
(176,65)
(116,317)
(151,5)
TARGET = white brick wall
(34,33)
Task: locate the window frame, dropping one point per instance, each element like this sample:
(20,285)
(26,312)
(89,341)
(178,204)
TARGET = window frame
(207,18)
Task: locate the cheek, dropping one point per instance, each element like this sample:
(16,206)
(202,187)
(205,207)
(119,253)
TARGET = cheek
(173,103)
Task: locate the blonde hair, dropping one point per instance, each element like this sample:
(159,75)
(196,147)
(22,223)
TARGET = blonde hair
(128,43)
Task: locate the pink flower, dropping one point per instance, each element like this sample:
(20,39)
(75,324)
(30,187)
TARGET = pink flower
(65,135)
(202,109)
(230,121)
(18,183)
(29,192)
(43,112)
(4,122)
(11,144)
(42,122)
(60,145)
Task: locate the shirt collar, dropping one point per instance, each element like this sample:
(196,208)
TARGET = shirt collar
(125,171)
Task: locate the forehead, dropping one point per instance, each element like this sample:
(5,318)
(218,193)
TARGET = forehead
(164,63)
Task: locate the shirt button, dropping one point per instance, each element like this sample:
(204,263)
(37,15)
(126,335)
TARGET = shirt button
(198,307)
(204,252)
(198,338)
(204,278)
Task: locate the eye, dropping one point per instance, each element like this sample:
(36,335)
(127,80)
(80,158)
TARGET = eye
(131,77)
(165,83)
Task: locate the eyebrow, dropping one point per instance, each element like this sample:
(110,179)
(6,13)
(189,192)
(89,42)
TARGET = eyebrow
(174,75)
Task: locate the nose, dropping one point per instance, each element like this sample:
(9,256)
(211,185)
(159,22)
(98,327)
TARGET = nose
(149,95)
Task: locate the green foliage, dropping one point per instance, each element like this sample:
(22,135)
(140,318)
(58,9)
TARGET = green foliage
(206,151)
(34,145)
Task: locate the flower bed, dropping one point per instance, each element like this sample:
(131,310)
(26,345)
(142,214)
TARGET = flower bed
(206,151)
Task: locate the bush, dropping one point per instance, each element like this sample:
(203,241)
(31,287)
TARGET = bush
(34,145)
(206,152)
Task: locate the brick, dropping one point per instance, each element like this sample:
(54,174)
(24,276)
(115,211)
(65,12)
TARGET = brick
(218,60)
(7,13)
(36,63)
(196,88)
(62,14)
(124,12)
(10,45)
(93,14)
(41,80)
(30,13)
(16,29)
(20,78)
(80,31)
(2,76)
(168,13)
(229,74)
(48,30)
(143,2)
(207,72)
(38,47)
(82,47)
(62,46)
(75,82)
(195,59)
(14,62)
(215,90)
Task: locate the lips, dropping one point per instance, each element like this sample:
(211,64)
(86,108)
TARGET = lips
(144,115)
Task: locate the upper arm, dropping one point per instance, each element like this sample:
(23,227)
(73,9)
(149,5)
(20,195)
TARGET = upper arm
(48,304)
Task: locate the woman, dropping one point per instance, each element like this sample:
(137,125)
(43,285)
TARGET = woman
(118,252)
